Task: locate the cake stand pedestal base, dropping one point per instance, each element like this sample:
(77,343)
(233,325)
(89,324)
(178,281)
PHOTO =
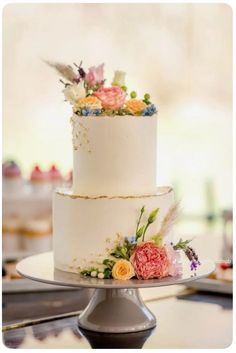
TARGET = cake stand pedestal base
(116,311)
(116,306)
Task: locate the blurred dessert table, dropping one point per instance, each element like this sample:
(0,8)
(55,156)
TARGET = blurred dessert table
(185,319)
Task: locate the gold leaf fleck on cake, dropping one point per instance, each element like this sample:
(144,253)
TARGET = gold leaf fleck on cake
(79,134)
(160,192)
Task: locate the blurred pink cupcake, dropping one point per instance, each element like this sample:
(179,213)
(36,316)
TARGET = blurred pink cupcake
(12,179)
(11,170)
(40,180)
(55,176)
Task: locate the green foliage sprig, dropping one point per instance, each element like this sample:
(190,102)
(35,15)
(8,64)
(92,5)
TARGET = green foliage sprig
(123,251)
(152,217)
(108,269)
(141,231)
(182,244)
(87,272)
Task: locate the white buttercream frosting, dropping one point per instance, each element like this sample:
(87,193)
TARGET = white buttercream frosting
(84,228)
(114,155)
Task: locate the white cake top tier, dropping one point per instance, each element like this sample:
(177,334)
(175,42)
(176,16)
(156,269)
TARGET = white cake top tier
(114,155)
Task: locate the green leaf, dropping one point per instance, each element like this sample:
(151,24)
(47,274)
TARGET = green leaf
(123,251)
(153,215)
(117,254)
(109,263)
(107,273)
(87,272)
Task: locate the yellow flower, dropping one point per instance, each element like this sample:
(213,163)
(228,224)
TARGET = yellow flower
(135,106)
(88,102)
(123,270)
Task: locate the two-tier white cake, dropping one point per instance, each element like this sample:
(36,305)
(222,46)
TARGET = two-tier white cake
(115,164)
(114,222)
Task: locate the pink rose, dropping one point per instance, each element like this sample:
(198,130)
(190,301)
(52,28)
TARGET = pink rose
(175,266)
(112,98)
(150,261)
(94,75)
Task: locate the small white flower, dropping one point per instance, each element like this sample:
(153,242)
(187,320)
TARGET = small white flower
(119,78)
(101,275)
(93,274)
(74,92)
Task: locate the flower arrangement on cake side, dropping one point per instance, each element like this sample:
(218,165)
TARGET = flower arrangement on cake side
(145,259)
(89,96)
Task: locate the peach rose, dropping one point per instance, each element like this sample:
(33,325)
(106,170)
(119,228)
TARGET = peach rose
(112,98)
(88,102)
(123,270)
(135,106)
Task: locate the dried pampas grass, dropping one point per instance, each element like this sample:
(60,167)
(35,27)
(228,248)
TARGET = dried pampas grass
(66,71)
(169,220)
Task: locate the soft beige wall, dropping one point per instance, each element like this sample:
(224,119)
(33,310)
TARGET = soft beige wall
(180,53)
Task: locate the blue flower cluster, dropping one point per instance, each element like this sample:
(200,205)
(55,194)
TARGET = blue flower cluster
(131,239)
(88,111)
(97,112)
(149,110)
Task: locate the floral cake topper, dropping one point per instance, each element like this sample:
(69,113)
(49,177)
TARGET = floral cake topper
(87,92)
(134,256)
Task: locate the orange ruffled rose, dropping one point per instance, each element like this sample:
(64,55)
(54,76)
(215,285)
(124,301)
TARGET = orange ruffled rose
(123,270)
(135,106)
(88,102)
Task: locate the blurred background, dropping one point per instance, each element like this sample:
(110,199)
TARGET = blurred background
(180,53)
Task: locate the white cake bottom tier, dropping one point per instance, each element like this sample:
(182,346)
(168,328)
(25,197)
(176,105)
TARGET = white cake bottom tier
(84,228)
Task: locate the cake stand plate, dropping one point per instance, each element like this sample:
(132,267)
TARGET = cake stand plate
(116,306)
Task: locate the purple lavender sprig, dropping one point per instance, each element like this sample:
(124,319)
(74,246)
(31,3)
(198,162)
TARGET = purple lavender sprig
(189,252)
(193,258)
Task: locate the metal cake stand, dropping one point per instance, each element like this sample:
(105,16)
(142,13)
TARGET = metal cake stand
(116,306)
